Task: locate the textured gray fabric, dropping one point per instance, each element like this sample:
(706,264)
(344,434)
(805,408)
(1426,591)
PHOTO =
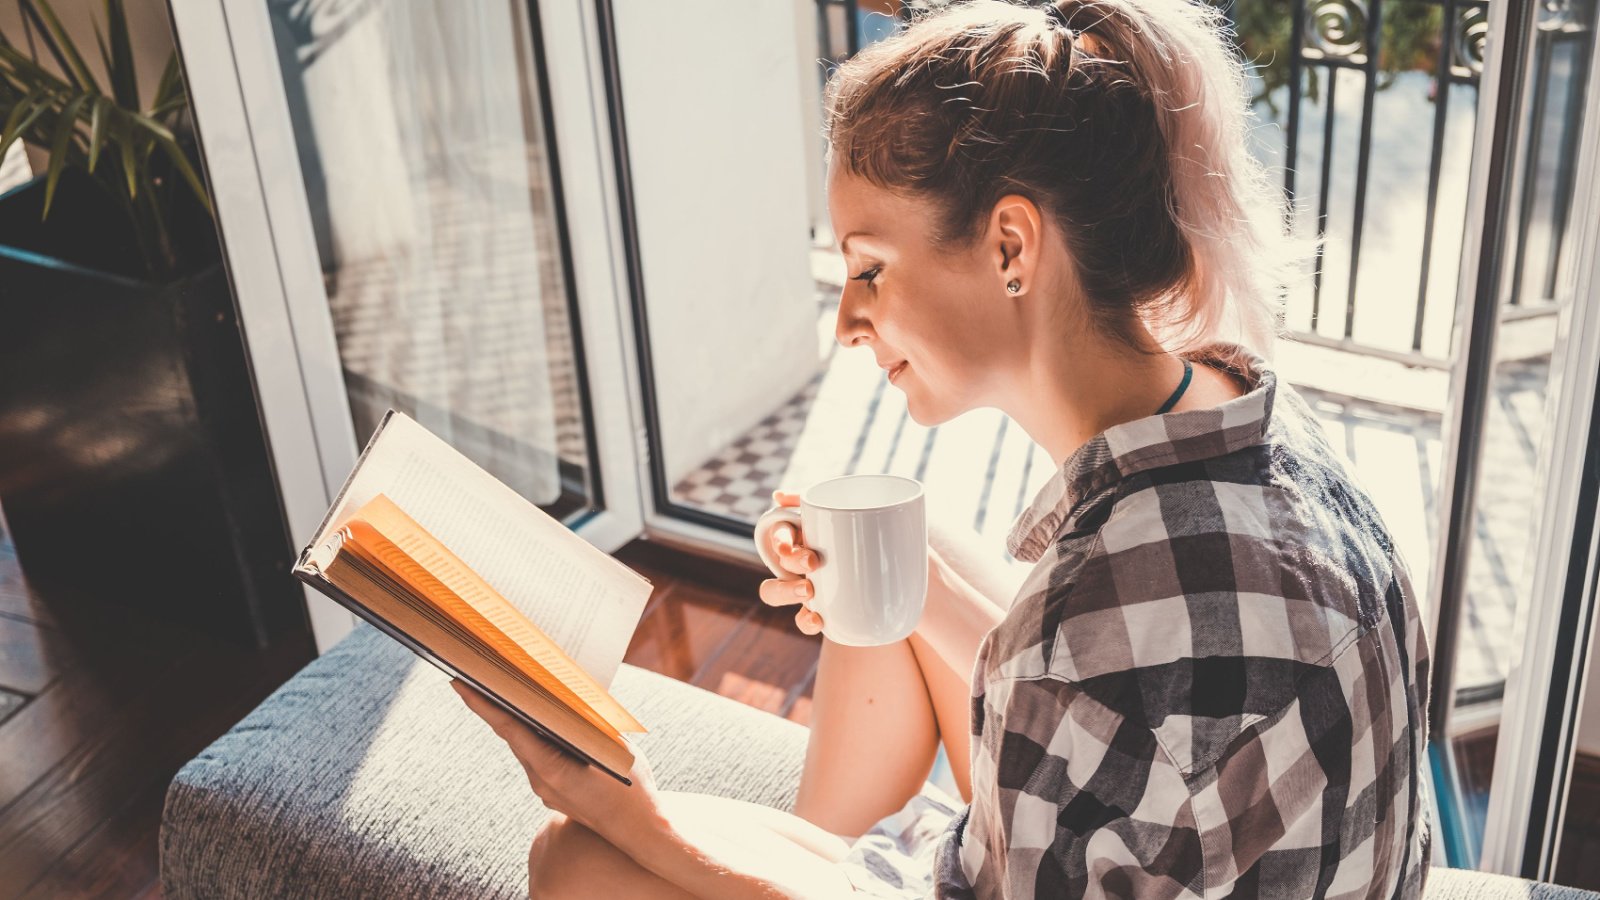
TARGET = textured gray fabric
(366,776)
(1455,884)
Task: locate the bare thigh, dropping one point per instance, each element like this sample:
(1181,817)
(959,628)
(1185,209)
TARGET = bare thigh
(873,736)
(951,695)
(878,717)
(950,691)
(569,860)
(878,714)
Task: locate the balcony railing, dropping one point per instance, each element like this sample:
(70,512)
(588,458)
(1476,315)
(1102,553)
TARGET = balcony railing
(1367,108)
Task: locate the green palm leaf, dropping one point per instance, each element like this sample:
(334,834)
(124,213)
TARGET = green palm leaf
(23,115)
(66,126)
(180,161)
(97,131)
(60,43)
(124,80)
(130,166)
(32,72)
(169,89)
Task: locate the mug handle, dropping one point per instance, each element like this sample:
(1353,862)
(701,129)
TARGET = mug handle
(764,527)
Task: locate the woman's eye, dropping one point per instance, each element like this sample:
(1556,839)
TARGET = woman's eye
(868,275)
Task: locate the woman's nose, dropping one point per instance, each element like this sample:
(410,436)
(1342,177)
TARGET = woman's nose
(851,327)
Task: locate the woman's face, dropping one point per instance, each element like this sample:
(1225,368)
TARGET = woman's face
(943,326)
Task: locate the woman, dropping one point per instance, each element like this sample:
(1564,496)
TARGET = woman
(1213,681)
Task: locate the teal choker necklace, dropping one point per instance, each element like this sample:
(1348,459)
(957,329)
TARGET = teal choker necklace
(1188,372)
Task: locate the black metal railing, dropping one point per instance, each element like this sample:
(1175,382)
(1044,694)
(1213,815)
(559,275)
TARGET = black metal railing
(1300,49)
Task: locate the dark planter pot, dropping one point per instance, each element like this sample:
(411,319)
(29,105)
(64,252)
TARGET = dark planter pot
(133,465)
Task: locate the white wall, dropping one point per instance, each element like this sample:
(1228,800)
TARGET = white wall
(711,95)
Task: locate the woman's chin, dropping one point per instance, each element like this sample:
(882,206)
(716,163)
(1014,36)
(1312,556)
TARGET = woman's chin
(927,416)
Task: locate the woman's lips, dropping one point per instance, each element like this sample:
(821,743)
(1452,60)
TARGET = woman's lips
(897,370)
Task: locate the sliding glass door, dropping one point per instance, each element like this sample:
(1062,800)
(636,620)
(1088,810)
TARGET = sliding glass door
(1511,589)
(402,165)
(421,137)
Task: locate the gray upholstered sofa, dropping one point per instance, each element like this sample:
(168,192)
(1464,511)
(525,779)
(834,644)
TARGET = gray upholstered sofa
(365,776)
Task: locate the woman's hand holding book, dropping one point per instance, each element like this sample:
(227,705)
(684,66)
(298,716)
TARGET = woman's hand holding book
(563,782)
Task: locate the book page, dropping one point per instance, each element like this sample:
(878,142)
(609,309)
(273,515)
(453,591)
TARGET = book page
(504,621)
(348,582)
(582,599)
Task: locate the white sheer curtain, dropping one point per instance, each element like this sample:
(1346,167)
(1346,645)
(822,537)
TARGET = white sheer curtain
(419,135)
(14,169)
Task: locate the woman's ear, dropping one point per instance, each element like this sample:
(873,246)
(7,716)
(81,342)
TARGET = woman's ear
(1017,230)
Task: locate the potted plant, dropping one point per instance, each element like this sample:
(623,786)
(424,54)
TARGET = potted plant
(133,466)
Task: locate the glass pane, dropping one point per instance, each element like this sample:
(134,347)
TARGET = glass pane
(427,166)
(1537,286)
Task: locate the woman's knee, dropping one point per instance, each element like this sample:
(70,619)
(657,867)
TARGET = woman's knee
(569,860)
(558,856)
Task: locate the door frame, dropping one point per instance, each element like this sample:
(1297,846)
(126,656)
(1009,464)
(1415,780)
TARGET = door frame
(681,526)
(1543,696)
(242,115)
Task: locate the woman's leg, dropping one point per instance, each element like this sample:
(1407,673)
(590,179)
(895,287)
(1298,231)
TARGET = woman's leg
(569,860)
(879,713)
(873,736)
(951,691)
(952,707)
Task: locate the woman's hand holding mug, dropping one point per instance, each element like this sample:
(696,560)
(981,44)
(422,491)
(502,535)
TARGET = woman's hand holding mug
(785,542)
(866,539)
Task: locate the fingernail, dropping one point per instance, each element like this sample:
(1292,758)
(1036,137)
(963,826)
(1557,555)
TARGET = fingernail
(802,590)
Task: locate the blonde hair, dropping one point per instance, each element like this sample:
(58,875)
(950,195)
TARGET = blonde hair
(1125,120)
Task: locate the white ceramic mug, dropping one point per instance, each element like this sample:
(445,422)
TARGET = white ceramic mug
(871,533)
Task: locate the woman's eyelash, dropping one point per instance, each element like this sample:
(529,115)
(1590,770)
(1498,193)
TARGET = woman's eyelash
(868,275)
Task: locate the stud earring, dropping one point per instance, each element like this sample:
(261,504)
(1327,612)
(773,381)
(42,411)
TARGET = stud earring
(1014,286)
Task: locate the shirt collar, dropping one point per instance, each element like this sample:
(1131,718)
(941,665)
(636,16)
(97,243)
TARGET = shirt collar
(1147,443)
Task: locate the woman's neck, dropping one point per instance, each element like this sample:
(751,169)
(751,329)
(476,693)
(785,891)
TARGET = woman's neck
(1066,398)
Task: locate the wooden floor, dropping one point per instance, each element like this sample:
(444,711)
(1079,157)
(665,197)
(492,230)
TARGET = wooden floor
(706,625)
(100,706)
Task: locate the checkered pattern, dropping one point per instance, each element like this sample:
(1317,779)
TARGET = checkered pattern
(740,479)
(1214,681)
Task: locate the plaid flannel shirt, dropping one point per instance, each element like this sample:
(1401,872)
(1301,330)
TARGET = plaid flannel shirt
(1214,681)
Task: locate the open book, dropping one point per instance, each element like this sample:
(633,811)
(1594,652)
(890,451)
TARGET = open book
(447,560)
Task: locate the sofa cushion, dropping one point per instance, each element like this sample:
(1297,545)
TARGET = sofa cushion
(1456,884)
(365,775)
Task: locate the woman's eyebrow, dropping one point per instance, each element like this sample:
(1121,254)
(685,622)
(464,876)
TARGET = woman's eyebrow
(844,245)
